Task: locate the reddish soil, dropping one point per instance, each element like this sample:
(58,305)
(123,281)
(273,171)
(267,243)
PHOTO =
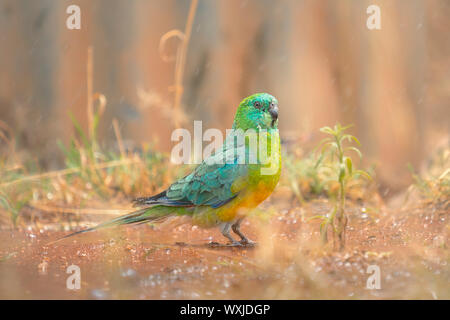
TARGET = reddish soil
(411,248)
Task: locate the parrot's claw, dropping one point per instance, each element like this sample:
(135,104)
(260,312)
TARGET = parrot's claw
(235,244)
(227,245)
(247,243)
(214,244)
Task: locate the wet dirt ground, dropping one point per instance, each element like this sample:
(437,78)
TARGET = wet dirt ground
(409,246)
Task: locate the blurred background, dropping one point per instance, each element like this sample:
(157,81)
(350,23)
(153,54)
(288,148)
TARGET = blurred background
(317,57)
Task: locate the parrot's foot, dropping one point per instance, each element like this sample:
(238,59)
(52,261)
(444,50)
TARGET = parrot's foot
(226,245)
(247,242)
(234,244)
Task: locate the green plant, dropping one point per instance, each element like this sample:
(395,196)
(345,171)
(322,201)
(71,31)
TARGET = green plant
(13,199)
(434,188)
(303,176)
(90,172)
(333,148)
(84,153)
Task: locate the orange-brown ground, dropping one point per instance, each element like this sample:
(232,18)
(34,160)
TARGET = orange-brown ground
(157,262)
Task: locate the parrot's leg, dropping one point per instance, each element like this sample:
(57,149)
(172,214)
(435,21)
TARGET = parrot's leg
(237,229)
(225,229)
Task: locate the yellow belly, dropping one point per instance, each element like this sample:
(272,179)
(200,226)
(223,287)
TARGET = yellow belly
(260,187)
(257,186)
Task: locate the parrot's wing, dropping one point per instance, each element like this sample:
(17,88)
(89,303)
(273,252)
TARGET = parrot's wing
(215,182)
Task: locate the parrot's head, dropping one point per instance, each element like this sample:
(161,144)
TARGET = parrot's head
(258,111)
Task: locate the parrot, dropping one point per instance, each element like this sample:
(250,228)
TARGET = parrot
(221,193)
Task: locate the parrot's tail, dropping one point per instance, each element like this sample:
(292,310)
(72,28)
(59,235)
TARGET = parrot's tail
(149,214)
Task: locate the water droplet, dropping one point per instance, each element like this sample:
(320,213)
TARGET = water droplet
(128,273)
(98,294)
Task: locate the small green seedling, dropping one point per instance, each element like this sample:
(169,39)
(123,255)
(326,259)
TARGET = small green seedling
(432,187)
(334,149)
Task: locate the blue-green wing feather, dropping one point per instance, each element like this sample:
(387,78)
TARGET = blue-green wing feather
(210,183)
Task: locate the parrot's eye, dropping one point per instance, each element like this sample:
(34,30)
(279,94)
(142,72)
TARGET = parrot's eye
(257,104)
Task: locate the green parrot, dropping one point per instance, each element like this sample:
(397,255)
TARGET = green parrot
(227,185)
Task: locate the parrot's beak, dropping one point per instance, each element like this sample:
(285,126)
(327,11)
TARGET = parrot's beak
(273,110)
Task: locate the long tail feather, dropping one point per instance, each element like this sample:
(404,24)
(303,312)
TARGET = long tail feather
(135,217)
